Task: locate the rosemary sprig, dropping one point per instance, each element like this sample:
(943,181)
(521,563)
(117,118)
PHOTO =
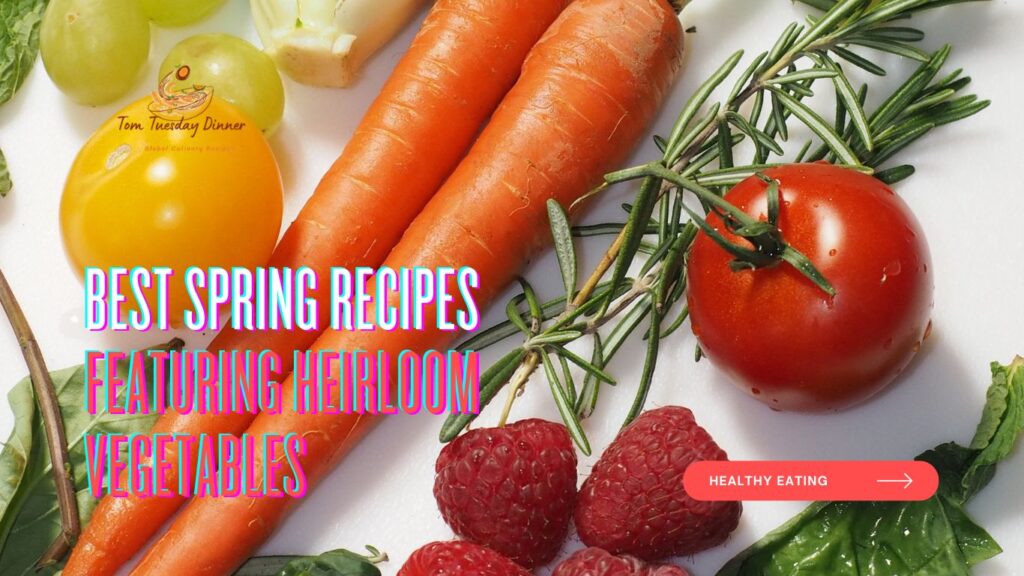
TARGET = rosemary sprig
(700,158)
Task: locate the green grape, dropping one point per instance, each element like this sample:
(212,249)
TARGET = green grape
(93,50)
(239,73)
(178,12)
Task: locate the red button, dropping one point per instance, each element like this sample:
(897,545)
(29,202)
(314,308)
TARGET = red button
(810,480)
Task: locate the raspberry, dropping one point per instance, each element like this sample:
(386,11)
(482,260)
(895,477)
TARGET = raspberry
(512,489)
(459,559)
(597,562)
(634,501)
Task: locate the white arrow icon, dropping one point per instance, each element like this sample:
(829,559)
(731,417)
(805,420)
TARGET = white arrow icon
(906,481)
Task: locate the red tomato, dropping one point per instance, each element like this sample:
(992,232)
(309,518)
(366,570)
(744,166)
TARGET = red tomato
(780,337)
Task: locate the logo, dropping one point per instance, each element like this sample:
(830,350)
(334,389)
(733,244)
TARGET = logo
(176,104)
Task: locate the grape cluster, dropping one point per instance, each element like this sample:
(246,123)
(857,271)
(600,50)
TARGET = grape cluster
(94,51)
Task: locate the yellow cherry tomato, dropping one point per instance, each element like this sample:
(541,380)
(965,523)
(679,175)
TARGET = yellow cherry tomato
(176,180)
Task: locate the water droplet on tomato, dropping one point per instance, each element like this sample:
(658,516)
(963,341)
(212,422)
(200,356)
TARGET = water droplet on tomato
(786,202)
(891,269)
(927,330)
(917,347)
(833,252)
(755,391)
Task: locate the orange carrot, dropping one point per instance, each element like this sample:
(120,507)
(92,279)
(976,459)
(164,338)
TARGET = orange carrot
(465,58)
(588,90)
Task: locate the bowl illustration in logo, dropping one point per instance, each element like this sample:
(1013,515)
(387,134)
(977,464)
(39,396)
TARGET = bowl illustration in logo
(174,104)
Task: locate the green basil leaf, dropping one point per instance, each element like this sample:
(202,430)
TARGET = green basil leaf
(19,42)
(935,537)
(29,514)
(952,461)
(333,563)
(1001,424)
(19,45)
(5,176)
(877,538)
(974,542)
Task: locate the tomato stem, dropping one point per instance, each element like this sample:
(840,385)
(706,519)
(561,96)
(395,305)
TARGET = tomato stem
(698,157)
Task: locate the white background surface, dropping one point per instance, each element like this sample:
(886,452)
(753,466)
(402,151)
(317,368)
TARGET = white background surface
(967,194)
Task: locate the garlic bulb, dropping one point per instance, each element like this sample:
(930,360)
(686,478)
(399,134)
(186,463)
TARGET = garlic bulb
(325,42)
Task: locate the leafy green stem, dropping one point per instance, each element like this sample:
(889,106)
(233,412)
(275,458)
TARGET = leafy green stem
(53,422)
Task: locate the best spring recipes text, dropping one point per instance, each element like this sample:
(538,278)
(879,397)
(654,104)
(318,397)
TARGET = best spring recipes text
(324,382)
